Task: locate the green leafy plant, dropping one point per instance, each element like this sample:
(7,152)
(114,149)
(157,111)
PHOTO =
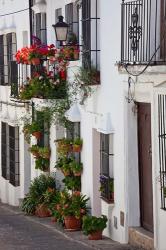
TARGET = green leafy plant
(71,205)
(28,205)
(42,164)
(44,152)
(37,192)
(78,141)
(34,149)
(64,146)
(76,167)
(93,224)
(72,183)
(43,87)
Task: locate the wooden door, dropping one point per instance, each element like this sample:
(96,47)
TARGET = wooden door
(145,165)
(163,29)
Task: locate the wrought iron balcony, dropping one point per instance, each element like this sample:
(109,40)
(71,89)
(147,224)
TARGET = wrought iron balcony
(143,32)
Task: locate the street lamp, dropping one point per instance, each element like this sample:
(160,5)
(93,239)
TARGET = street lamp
(61,30)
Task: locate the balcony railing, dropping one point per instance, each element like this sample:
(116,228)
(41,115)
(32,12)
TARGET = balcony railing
(143,32)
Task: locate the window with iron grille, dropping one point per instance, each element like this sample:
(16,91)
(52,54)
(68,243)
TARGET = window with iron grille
(72,19)
(106,168)
(162,147)
(44,140)
(90,34)
(8,65)
(72,133)
(4,150)
(10,154)
(14,164)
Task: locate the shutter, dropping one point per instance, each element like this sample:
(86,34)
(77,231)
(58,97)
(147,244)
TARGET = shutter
(69,16)
(1,60)
(38,25)
(86,33)
(163,29)
(14,78)
(58,12)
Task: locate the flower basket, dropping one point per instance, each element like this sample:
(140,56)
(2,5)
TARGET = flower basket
(37,134)
(35,61)
(66,173)
(72,223)
(77,148)
(77,173)
(42,211)
(95,236)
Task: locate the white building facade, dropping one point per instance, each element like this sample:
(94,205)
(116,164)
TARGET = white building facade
(122,123)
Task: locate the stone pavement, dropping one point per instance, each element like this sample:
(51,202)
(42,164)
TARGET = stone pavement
(20,232)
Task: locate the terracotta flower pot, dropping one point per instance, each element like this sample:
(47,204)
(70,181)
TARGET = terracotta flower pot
(77,148)
(42,211)
(35,61)
(53,219)
(66,173)
(76,193)
(95,236)
(77,174)
(72,223)
(36,154)
(37,134)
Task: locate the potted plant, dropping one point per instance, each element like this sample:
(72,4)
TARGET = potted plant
(88,76)
(34,149)
(94,226)
(43,210)
(38,191)
(42,164)
(35,130)
(44,152)
(73,208)
(77,145)
(76,168)
(72,183)
(63,146)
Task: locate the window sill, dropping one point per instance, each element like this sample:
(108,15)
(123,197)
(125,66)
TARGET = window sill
(112,202)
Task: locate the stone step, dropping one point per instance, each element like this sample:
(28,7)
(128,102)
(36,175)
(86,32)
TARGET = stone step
(139,237)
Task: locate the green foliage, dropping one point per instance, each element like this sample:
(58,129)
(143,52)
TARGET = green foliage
(78,141)
(37,193)
(28,205)
(43,87)
(93,224)
(76,167)
(71,205)
(111,185)
(42,164)
(72,182)
(44,152)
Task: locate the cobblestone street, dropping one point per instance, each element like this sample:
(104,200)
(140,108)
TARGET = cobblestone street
(29,233)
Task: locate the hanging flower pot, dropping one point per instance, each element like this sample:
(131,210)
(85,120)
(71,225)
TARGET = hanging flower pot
(66,173)
(35,61)
(77,173)
(37,134)
(95,236)
(77,148)
(72,223)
